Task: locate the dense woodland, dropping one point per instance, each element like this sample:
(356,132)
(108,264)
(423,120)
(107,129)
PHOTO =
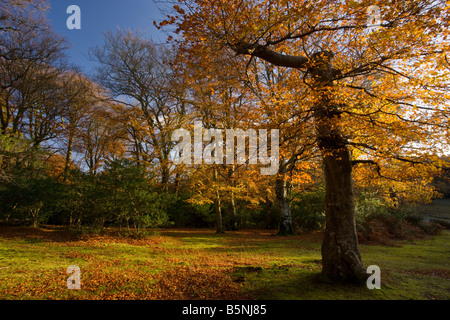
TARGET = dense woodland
(96,152)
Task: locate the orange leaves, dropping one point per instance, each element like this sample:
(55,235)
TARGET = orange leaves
(184,283)
(179,9)
(56,164)
(170,20)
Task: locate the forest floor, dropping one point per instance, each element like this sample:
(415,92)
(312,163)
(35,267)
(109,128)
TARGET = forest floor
(199,264)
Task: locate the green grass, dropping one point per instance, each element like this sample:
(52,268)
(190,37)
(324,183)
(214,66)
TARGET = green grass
(198,264)
(419,270)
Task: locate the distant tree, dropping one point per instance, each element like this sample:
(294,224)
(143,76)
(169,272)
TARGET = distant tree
(138,74)
(31,59)
(101,137)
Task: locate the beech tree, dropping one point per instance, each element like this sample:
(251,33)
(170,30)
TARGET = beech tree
(31,58)
(377,88)
(137,73)
(102,137)
(78,98)
(217,97)
(282,105)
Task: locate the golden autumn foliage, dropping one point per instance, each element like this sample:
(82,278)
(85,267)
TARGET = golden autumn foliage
(359,90)
(392,90)
(392,87)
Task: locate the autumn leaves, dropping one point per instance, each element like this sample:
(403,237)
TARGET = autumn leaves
(213,152)
(351,105)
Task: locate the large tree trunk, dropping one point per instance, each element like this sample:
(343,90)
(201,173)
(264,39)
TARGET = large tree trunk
(340,252)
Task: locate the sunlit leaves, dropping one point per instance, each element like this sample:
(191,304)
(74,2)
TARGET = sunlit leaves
(391,92)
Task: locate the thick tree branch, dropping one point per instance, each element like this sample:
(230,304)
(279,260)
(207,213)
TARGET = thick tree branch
(378,168)
(275,58)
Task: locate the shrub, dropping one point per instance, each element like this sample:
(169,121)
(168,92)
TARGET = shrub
(128,195)
(308,210)
(185,214)
(378,222)
(368,206)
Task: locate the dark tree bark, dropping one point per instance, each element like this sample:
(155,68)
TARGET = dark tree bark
(283,192)
(267,208)
(340,252)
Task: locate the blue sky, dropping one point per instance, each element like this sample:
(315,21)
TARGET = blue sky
(98,16)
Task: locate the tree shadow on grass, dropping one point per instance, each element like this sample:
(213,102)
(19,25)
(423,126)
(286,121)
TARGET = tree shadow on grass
(37,235)
(300,285)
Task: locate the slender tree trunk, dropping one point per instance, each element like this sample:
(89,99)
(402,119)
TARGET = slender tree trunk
(218,211)
(177,177)
(165,175)
(267,207)
(233,213)
(232,223)
(217,204)
(35,215)
(177,183)
(283,192)
(68,159)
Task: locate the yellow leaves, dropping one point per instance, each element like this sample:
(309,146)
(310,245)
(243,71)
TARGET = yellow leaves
(388,76)
(200,199)
(410,182)
(301,180)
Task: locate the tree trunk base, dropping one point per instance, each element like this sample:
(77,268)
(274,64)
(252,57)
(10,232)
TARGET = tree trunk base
(341,258)
(286,231)
(342,262)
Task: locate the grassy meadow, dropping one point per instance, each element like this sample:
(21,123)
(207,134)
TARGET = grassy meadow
(199,264)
